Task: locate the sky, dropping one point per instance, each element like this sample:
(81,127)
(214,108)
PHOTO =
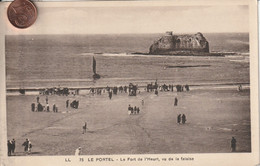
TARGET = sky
(139,19)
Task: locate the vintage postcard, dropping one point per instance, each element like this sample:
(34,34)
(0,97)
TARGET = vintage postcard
(130,83)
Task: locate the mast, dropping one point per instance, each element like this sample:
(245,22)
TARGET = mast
(94,65)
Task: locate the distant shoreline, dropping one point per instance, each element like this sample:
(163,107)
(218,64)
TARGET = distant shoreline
(209,85)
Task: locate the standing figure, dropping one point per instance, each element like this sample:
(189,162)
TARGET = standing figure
(33,107)
(132,110)
(175,101)
(129,109)
(29,146)
(9,147)
(78,151)
(38,98)
(46,99)
(84,128)
(13,146)
(183,118)
(54,108)
(138,110)
(110,94)
(179,119)
(67,103)
(233,144)
(48,107)
(26,145)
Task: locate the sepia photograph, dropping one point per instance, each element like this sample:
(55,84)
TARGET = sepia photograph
(131,79)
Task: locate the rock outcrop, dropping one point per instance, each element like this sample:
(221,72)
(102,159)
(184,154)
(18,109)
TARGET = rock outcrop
(170,44)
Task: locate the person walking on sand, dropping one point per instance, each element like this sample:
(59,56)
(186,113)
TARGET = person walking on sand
(183,118)
(84,128)
(175,101)
(78,151)
(179,119)
(233,144)
(37,98)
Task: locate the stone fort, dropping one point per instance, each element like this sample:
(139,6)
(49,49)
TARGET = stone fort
(180,44)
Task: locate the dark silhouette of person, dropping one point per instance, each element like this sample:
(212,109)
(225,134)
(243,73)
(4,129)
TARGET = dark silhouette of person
(135,110)
(129,107)
(183,118)
(175,101)
(110,94)
(13,146)
(46,99)
(38,98)
(179,119)
(26,145)
(77,104)
(48,108)
(138,110)
(39,107)
(54,108)
(67,103)
(132,110)
(33,107)
(9,147)
(233,144)
(84,128)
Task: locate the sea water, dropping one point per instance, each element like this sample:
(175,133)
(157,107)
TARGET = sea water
(66,60)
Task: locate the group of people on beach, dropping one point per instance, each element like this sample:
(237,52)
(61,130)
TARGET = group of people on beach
(74,104)
(27,146)
(38,107)
(156,87)
(11,147)
(133,110)
(181,119)
(41,108)
(57,91)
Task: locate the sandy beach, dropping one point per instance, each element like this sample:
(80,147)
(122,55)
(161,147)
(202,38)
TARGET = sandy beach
(214,115)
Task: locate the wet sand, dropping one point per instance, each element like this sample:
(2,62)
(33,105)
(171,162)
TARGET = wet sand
(213,117)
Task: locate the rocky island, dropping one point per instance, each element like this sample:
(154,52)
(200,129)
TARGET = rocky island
(170,44)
